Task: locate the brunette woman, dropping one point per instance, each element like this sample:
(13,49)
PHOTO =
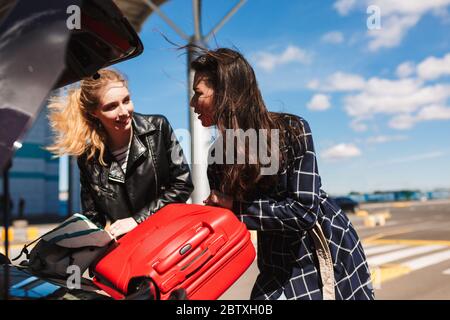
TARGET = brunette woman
(307,247)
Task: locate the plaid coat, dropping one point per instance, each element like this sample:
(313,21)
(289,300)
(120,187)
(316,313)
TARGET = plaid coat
(286,256)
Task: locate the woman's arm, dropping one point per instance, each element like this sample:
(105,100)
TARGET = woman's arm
(87,202)
(180,184)
(299,210)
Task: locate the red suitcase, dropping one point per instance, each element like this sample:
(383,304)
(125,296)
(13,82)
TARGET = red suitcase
(202,249)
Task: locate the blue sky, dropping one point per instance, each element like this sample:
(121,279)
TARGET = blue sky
(377,100)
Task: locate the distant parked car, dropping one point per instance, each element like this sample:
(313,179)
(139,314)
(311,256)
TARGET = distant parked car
(346,204)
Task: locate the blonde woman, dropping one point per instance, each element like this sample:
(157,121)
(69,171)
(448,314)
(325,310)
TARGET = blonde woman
(131,165)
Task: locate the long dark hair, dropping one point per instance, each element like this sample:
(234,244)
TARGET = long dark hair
(238,104)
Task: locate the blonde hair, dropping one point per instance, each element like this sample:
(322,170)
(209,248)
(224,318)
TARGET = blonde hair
(76,130)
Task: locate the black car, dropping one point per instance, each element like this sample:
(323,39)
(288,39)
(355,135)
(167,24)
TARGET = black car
(18,283)
(346,204)
(42,51)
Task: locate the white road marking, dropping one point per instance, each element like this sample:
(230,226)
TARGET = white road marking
(427,260)
(400,254)
(446,272)
(383,248)
(369,245)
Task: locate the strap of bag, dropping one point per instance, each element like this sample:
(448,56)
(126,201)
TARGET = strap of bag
(325,261)
(25,247)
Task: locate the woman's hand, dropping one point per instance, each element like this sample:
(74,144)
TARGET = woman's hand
(122,226)
(218,199)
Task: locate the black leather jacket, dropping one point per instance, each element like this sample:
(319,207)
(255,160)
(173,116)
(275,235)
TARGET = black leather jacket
(157,174)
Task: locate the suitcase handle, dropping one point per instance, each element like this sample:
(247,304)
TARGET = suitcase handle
(201,257)
(200,234)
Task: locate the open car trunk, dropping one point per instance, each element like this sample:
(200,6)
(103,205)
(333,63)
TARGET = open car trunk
(45,45)
(40,52)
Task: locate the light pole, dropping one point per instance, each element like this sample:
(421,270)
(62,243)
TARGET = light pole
(200,137)
(7,199)
(6,217)
(6,206)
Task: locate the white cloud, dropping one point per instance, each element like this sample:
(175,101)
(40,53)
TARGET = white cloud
(358,126)
(319,102)
(344,6)
(269,61)
(402,122)
(406,69)
(313,84)
(443,14)
(334,37)
(428,113)
(397,17)
(409,7)
(417,157)
(406,101)
(433,112)
(433,68)
(404,96)
(339,81)
(385,139)
(392,32)
(341,151)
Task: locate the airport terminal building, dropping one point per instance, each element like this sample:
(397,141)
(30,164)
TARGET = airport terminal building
(34,175)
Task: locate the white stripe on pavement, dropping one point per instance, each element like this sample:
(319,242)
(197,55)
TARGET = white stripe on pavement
(369,245)
(397,255)
(427,260)
(446,272)
(383,248)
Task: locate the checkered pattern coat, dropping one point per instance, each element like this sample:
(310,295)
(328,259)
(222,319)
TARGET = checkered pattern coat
(286,256)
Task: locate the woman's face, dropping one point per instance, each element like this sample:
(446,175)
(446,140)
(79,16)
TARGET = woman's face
(203,99)
(115,109)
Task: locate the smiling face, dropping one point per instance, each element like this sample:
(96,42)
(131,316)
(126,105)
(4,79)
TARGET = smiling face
(115,109)
(203,99)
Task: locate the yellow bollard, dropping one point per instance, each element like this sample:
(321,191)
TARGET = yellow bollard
(32,233)
(369,222)
(374,220)
(362,213)
(10,234)
(386,214)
